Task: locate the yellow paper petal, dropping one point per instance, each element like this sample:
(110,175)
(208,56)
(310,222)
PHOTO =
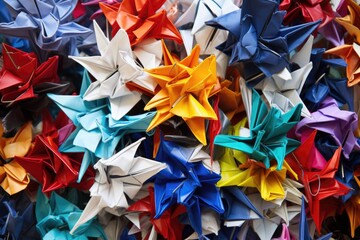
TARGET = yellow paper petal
(18,145)
(197,127)
(13,178)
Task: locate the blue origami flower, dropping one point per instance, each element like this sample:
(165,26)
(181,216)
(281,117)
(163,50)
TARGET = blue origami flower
(184,182)
(47,24)
(256,34)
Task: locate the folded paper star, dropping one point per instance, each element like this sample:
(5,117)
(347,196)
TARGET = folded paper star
(57,215)
(186,183)
(17,218)
(13,177)
(266,139)
(351,55)
(47,24)
(320,185)
(112,70)
(339,124)
(141,20)
(118,177)
(168,225)
(186,86)
(260,36)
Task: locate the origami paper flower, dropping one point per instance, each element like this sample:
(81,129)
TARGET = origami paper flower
(186,86)
(24,83)
(17,218)
(266,139)
(47,25)
(307,11)
(92,121)
(167,225)
(13,177)
(56,216)
(351,22)
(268,181)
(46,164)
(320,185)
(350,53)
(112,70)
(118,177)
(185,183)
(53,169)
(141,20)
(22,73)
(237,207)
(260,37)
(339,124)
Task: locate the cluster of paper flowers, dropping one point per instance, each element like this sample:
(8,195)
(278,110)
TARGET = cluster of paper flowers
(180,119)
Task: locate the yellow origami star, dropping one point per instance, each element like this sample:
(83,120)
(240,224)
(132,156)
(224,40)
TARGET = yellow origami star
(186,86)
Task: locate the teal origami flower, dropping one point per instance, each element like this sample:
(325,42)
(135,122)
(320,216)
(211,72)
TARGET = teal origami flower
(56,216)
(266,139)
(97,133)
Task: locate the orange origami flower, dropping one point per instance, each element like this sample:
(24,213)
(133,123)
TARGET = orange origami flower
(186,86)
(141,20)
(351,55)
(351,22)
